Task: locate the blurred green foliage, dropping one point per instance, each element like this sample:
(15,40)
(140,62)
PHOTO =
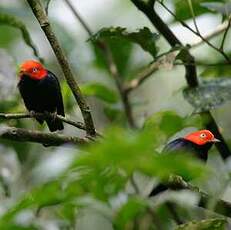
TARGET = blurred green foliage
(64,187)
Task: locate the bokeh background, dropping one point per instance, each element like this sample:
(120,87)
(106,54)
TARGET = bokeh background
(25,165)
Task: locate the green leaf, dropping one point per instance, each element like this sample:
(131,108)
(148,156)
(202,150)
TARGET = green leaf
(182,6)
(100,91)
(164,124)
(143,37)
(132,209)
(114,114)
(108,164)
(6,19)
(121,52)
(209,224)
(209,95)
(217,71)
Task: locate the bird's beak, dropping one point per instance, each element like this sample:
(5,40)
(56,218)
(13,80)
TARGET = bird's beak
(215,140)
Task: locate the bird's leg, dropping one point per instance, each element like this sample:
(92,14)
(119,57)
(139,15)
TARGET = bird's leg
(54,115)
(32,113)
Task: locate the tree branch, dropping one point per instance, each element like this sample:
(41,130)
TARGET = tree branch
(153,67)
(12,116)
(197,32)
(42,18)
(44,116)
(47,139)
(102,45)
(222,207)
(191,76)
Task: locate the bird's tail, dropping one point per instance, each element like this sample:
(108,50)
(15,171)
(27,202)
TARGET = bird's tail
(54,124)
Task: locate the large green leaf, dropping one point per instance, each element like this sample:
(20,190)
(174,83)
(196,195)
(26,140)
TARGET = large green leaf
(143,37)
(166,123)
(6,19)
(121,52)
(133,208)
(217,71)
(209,95)
(111,161)
(100,91)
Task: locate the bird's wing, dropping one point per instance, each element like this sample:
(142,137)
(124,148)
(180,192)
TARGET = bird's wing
(175,145)
(57,93)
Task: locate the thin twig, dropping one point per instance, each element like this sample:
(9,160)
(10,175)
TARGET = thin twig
(196,33)
(225,35)
(141,77)
(220,28)
(148,70)
(111,66)
(42,18)
(117,78)
(47,139)
(44,116)
(14,116)
(193,15)
(222,207)
(158,23)
(77,15)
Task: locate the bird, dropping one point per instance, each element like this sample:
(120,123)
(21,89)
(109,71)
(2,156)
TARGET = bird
(41,93)
(197,143)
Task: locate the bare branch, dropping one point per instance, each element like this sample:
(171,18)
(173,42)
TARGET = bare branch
(153,67)
(220,28)
(141,77)
(42,18)
(47,139)
(111,66)
(222,207)
(225,35)
(196,33)
(13,116)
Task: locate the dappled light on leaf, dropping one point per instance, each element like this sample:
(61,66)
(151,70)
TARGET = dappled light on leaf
(209,95)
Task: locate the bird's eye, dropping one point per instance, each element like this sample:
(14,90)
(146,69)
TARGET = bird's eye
(203,135)
(34,70)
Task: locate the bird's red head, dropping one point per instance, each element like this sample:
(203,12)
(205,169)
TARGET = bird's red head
(33,69)
(201,137)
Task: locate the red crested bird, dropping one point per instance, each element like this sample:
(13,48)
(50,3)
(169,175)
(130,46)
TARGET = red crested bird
(196,143)
(41,92)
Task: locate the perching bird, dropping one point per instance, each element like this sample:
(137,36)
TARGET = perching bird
(197,143)
(41,92)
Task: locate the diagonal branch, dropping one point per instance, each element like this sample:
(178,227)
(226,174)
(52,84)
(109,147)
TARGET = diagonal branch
(47,139)
(103,46)
(42,18)
(222,207)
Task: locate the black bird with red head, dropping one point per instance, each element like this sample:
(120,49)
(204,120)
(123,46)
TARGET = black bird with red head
(41,92)
(196,143)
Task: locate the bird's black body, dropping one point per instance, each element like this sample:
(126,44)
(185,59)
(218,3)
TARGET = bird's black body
(43,96)
(183,146)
